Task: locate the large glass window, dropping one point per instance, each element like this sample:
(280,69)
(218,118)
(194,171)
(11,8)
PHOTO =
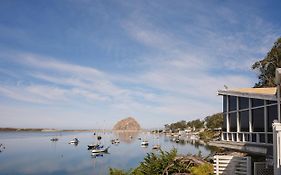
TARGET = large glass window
(243,103)
(232,103)
(224,103)
(224,123)
(257,102)
(270,102)
(244,121)
(258,120)
(271,115)
(233,122)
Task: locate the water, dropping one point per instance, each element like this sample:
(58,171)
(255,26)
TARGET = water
(34,153)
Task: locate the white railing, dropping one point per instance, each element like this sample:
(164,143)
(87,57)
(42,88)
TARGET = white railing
(277,147)
(229,165)
(247,137)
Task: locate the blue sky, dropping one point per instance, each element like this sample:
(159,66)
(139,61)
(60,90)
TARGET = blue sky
(88,64)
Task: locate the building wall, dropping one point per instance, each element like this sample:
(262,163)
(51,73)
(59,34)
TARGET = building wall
(248,119)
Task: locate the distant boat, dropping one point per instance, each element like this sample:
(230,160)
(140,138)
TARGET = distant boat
(156,147)
(54,139)
(74,141)
(139,138)
(115,141)
(94,146)
(100,150)
(144,143)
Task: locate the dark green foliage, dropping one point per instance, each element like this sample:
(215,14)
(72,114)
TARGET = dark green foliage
(152,164)
(181,125)
(197,124)
(207,135)
(156,164)
(266,67)
(114,171)
(214,121)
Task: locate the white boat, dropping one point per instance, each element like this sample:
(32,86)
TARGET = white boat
(100,150)
(144,143)
(156,146)
(115,141)
(74,141)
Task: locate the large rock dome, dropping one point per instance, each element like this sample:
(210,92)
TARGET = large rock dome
(129,124)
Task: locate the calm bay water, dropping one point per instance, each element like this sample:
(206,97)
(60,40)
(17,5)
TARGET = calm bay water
(34,153)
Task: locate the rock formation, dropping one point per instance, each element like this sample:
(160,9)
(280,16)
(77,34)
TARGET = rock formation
(128,124)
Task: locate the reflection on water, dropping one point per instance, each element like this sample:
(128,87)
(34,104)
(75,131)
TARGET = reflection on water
(126,137)
(34,153)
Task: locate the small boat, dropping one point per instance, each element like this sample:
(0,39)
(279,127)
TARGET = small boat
(139,138)
(144,143)
(54,139)
(178,140)
(100,150)
(94,146)
(156,147)
(74,141)
(115,141)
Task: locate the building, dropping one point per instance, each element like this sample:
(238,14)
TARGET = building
(248,116)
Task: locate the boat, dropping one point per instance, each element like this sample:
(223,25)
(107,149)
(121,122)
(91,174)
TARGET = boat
(144,143)
(94,146)
(54,139)
(115,141)
(156,147)
(139,138)
(100,150)
(74,141)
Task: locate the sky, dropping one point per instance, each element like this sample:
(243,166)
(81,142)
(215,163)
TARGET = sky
(82,64)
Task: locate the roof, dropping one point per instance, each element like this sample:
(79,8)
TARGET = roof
(260,93)
(265,91)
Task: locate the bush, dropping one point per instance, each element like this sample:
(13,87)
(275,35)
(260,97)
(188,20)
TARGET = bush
(204,169)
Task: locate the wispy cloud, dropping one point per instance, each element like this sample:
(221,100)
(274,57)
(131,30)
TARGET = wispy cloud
(180,55)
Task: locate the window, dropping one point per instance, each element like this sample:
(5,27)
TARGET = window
(257,102)
(271,115)
(224,103)
(232,100)
(233,122)
(268,102)
(258,120)
(224,123)
(243,103)
(244,121)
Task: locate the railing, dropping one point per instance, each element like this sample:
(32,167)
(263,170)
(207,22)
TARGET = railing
(250,137)
(232,165)
(262,168)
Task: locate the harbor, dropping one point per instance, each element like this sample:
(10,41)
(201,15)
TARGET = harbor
(50,157)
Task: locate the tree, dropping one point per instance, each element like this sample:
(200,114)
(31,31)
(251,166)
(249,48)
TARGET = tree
(266,67)
(214,121)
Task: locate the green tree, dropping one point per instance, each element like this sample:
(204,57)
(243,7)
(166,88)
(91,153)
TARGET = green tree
(214,121)
(267,66)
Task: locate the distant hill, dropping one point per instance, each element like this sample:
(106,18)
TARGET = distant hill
(128,124)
